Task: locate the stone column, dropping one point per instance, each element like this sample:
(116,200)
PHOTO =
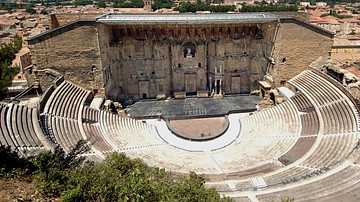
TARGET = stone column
(215,86)
(210,84)
(220,87)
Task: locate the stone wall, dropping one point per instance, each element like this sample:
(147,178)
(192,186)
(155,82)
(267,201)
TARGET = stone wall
(146,61)
(143,61)
(61,19)
(73,51)
(297,44)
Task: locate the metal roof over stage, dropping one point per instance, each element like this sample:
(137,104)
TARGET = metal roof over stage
(186,18)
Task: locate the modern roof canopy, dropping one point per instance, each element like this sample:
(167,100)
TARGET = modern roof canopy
(227,18)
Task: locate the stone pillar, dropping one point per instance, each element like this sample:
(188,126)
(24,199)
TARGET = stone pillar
(215,86)
(210,84)
(220,87)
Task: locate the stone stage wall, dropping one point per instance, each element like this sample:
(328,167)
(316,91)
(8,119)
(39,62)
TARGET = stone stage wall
(144,62)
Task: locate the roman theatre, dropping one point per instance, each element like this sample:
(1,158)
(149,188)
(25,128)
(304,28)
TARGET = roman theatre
(249,100)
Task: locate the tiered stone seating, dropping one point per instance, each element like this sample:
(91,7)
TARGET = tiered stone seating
(126,132)
(310,124)
(62,113)
(331,149)
(174,159)
(302,102)
(20,129)
(286,176)
(337,182)
(96,137)
(90,115)
(335,108)
(337,117)
(322,135)
(265,135)
(66,100)
(301,147)
(66,131)
(348,194)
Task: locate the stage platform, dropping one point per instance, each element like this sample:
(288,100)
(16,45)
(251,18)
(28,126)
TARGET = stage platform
(192,107)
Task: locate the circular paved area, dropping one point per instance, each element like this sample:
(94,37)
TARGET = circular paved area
(227,138)
(198,128)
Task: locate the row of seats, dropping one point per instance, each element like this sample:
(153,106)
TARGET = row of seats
(62,112)
(331,149)
(20,128)
(335,114)
(90,115)
(300,148)
(310,124)
(287,176)
(316,190)
(66,100)
(336,110)
(126,132)
(280,132)
(65,130)
(96,137)
(264,136)
(302,103)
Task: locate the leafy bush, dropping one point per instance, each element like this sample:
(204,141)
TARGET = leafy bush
(83,2)
(131,4)
(264,7)
(12,165)
(7,54)
(158,4)
(101,4)
(117,178)
(188,7)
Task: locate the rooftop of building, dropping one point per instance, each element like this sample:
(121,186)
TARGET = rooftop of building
(186,18)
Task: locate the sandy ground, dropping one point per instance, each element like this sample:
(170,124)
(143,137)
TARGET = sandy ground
(196,127)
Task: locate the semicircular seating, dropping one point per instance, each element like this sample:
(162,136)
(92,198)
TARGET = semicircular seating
(303,143)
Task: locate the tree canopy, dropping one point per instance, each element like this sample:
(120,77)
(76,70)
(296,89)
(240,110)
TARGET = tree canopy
(7,54)
(128,4)
(70,177)
(189,7)
(264,7)
(158,4)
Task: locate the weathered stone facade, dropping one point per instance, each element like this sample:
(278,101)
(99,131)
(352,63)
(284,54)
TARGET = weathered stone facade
(144,61)
(72,51)
(61,19)
(297,44)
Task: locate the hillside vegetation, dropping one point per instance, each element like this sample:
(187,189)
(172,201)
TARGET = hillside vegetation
(70,177)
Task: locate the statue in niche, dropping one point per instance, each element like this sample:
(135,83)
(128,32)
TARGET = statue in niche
(188,54)
(189,50)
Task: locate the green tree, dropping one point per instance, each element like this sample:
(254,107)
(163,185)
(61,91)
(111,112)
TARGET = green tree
(83,2)
(119,178)
(129,4)
(30,10)
(69,177)
(101,4)
(7,54)
(52,168)
(158,4)
(12,165)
